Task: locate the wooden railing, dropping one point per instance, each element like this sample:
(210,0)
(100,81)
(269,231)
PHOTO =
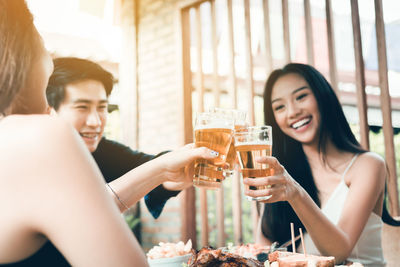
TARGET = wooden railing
(199,84)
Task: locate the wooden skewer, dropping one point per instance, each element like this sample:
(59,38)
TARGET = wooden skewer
(292,233)
(302,243)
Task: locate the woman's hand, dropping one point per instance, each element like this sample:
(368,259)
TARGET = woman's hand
(280,185)
(174,170)
(178,165)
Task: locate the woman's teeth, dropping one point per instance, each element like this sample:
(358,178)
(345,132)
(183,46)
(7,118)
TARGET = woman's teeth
(300,123)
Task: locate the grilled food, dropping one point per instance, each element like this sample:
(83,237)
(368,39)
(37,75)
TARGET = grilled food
(210,257)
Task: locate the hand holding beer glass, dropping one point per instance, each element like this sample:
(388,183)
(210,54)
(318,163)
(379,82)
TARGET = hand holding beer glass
(239,117)
(251,143)
(214,131)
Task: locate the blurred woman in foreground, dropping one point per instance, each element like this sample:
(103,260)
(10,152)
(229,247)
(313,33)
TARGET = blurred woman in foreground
(50,188)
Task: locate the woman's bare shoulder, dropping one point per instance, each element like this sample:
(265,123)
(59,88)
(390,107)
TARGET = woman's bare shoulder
(35,123)
(32,130)
(36,142)
(371,158)
(369,164)
(38,147)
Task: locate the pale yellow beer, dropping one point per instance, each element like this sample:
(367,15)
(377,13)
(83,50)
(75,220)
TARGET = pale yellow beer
(208,173)
(250,144)
(250,167)
(239,117)
(231,157)
(217,140)
(216,133)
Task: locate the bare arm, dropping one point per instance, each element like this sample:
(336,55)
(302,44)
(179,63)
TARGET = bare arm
(171,168)
(367,185)
(65,199)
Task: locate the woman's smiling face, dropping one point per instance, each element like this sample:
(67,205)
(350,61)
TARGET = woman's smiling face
(296,109)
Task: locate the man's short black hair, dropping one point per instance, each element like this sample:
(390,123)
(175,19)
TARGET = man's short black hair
(68,70)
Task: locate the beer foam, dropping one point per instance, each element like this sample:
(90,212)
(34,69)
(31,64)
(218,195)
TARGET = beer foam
(252,143)
(214,126)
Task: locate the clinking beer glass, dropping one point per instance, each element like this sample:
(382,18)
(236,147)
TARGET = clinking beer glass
(214,131)
(239,117)
(251,143)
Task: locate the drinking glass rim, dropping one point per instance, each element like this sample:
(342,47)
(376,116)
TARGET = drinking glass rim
(223,119)
(212,110)
(246,130)
(239,115)
(213,114)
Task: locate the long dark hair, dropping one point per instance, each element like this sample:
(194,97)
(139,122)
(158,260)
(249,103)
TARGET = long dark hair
(18,43)
(333,126)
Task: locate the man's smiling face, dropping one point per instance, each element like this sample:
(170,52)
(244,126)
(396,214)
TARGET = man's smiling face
(85,108)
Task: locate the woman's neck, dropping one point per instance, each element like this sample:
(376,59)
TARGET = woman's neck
(332,157)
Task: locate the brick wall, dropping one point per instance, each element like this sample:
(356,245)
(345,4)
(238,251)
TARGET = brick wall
(158,80)
(159,109)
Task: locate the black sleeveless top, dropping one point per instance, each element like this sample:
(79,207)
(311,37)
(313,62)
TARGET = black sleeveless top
(47,255)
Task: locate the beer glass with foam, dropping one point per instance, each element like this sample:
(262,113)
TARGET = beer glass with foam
(251,143)
(239,117)
(214,131)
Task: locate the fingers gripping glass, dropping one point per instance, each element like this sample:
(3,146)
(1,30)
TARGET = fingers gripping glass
(239,118)
(214,131)
(251,143)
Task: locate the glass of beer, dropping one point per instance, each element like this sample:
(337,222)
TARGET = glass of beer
(251,143)
(239,117)
(214,131)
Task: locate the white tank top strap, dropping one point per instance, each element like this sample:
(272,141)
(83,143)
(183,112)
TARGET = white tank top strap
(349,166)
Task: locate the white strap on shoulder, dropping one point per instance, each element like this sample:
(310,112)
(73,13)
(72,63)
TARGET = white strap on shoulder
(349,166)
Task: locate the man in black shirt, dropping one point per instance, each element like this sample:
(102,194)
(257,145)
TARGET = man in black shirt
(78,91)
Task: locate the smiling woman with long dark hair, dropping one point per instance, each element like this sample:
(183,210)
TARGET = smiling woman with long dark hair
(324,181)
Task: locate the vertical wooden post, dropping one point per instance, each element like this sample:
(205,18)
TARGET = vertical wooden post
(386,108)
(232,70)
(309,33)
(220,217)
(236,193)
(204,228)
(331,46)
(188,198)
(360,76)
(249,61)
(250,82)
(199,55)
(267,37)
(237,208)
(286,30)
(128,80)
(200,89)
(217,91)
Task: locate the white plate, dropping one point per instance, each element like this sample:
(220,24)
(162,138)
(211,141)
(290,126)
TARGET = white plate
(169,262)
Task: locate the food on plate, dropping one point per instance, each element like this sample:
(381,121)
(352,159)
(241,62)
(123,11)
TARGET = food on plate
(351,264)
(254,251)
(289,259)
(274,256)
(208,256)
(169,250)
(249,250)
